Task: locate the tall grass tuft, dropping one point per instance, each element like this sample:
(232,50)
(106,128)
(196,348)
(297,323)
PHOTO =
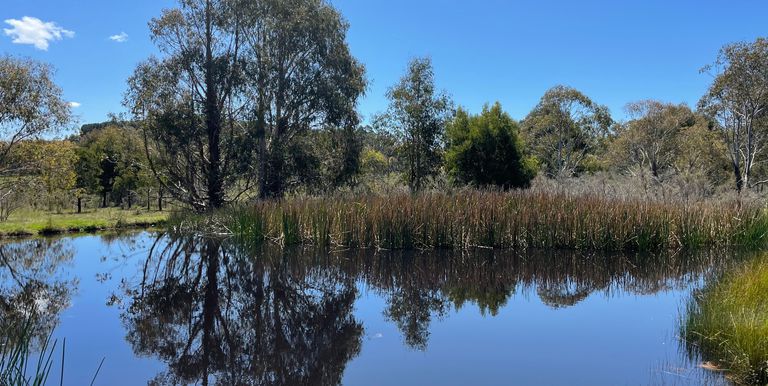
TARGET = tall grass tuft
(491,219)
(727,323)
(18,363)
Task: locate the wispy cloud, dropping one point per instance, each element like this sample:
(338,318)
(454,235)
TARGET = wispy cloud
(120,38)
(31,30)
(74,105)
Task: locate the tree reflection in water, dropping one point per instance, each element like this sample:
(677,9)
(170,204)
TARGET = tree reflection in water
(33,291)
(218,315)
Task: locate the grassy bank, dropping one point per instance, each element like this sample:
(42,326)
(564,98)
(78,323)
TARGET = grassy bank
(727,323)
(469,218)
(29,222)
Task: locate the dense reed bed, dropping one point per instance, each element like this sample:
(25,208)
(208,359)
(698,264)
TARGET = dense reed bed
(489,219)
(727,323)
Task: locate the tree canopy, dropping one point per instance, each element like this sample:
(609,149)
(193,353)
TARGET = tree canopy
(486,149)
(564,129)
(418,113)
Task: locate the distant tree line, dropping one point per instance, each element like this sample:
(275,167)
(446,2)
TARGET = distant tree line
(258,99)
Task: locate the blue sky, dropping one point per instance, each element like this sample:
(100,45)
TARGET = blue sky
(483,50)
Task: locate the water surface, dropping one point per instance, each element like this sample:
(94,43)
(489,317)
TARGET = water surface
(170,311)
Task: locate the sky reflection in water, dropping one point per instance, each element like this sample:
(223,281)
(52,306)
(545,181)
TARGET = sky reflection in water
(197,311)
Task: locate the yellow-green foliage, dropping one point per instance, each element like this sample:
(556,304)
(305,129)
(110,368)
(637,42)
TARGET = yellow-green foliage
(727,323)
(519,219)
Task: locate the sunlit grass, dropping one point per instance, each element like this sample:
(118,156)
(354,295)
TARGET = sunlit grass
(727,323)
(489,219)
(31,222)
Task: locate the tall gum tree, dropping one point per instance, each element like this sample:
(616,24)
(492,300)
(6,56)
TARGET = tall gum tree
(738,101)
(187,105)
(240,82)
(418,114)
(300,75)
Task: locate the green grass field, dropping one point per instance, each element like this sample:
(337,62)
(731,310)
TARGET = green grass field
(31,222)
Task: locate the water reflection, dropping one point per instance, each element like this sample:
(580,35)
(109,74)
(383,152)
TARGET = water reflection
(32,292)
(216,314)
(213,313)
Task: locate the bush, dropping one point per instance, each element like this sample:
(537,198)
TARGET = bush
(485,150)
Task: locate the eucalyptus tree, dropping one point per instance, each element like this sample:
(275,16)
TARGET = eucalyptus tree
(737,100)
(652,139)
(301,76)
(419,113)
(564,129)
(31,104)
(187,103)
(239,84)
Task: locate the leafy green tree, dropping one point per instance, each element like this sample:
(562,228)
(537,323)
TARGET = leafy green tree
(737,101)
(186,99)
(565,129)
(652,139)
(56,169)
(302,79)
(418,113)
(31,105)
(238,86)
(116,159)
(486,150)
(87,170)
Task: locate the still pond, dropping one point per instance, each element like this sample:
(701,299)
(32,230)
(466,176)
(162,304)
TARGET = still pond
(167,310)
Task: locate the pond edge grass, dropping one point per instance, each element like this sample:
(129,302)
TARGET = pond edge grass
(487,219)
(726,323)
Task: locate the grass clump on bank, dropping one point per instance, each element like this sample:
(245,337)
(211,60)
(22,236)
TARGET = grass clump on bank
(30,222)
(727,323)
(490,219)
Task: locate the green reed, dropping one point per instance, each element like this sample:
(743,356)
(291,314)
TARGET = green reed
(491,219)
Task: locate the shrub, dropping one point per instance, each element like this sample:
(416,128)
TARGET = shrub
(486,150)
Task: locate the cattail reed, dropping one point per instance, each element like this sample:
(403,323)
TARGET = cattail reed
(491,219)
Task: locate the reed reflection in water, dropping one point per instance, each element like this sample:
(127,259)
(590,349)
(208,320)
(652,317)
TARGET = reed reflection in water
(215,313)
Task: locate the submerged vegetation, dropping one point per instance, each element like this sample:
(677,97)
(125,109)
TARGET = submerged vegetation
(491,219)
(727,323)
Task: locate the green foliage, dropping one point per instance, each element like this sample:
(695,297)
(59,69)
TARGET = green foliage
(564,129)
(270,73)
(727,323)
(485,150)
(113,162)
(418,114)
(737,100)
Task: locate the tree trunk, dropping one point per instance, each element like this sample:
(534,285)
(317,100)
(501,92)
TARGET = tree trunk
(79,205)
(212,119)
(160,200)
(104,199)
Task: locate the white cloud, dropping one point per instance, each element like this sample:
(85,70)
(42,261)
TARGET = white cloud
(31,30)
(119,38)
(74,105)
